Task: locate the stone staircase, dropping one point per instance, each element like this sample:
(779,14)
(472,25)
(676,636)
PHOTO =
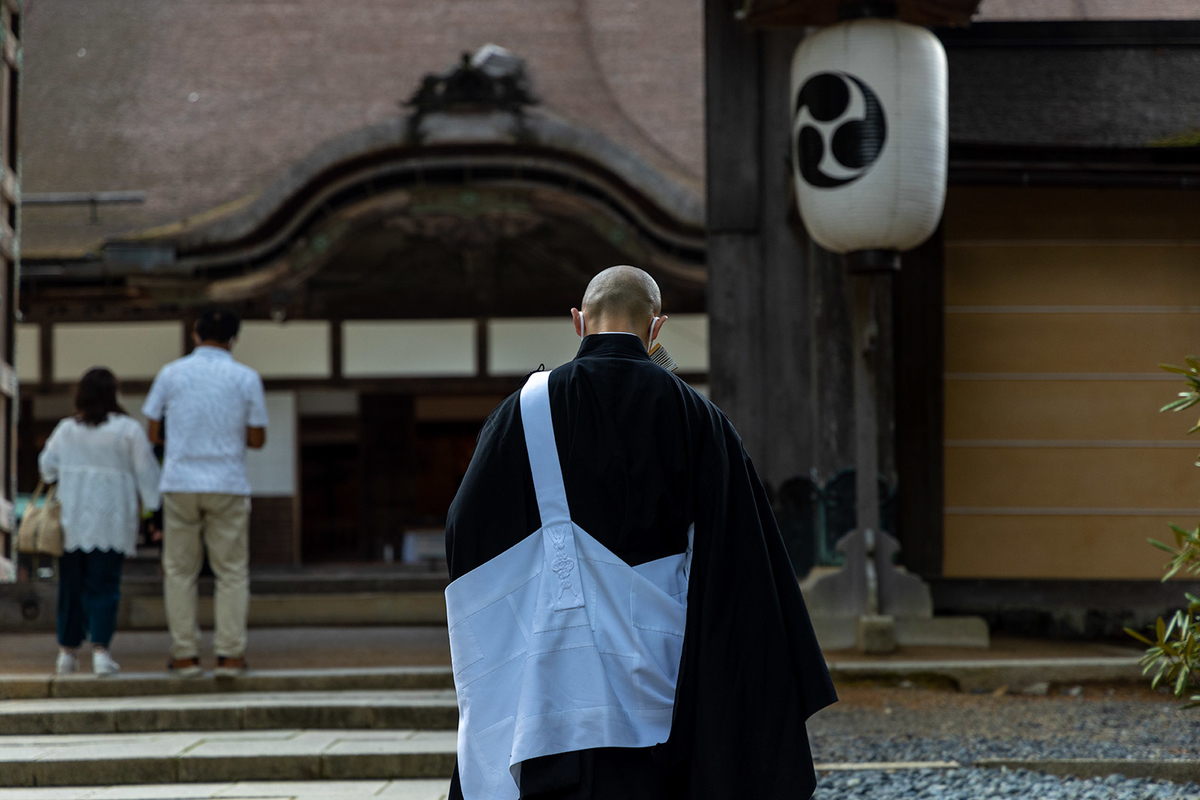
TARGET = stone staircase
(394,725)
(279,597)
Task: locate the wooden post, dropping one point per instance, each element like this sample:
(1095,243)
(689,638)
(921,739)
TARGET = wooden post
(735,274)
(919,405)
(758,282)
(866,429)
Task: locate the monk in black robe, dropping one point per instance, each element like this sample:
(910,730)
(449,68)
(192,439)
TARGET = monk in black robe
(643,458)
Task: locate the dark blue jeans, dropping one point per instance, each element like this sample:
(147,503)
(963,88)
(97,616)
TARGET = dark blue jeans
(89,591)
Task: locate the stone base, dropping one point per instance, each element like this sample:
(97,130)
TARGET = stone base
(875,634)
(842,632)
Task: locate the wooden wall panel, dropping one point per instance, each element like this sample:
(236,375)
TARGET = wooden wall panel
(1094,214)
(1049,547)
(1064,410)
(1060,305)
(1072,274)
(1060,343)
(1071,477)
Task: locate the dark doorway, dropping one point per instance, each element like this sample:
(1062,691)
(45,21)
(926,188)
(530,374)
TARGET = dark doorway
(329,476)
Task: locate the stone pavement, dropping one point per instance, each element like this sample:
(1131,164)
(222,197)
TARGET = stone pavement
(359,712)
(191,757)
(270,648)
(354,710)
(245,790)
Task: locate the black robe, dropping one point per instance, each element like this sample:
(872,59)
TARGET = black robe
(643,457)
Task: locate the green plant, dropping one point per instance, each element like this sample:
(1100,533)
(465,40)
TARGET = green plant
(1174,654)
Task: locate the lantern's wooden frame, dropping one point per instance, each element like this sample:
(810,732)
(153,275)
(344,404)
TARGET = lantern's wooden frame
(798,13)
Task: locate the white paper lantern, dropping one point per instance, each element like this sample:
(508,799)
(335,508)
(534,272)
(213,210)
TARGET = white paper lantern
(869,135)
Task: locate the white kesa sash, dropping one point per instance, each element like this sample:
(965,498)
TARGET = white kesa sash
(557,644)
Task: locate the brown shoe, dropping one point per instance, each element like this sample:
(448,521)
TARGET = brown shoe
(229,666)
(185,667)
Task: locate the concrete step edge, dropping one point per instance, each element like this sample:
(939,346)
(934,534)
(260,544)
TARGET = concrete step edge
(33,611)
(440,763)
(988,675)
(31,687)
(208,769)
(257,717)
(979,675)
(1176,771)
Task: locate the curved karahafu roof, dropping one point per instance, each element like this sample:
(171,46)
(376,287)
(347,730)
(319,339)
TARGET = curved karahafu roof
(203,106)
(476,201)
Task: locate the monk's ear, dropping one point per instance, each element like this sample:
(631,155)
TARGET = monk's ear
(577,316)
(662,320)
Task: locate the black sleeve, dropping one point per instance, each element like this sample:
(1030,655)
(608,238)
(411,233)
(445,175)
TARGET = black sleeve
(751,672)
(495,506)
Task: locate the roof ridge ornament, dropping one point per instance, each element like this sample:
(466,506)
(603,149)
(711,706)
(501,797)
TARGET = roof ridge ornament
(492,79)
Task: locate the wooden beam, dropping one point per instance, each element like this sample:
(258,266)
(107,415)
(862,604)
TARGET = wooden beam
(802,13)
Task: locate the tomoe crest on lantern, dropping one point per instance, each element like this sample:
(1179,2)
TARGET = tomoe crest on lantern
(838,130)
(870,134)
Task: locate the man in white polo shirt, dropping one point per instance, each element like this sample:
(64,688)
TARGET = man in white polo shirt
(213,409)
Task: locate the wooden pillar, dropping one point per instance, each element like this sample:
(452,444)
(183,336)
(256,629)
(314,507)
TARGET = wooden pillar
(735,270)
(758,284)
(919,403)
(779,305)
(787,335)
(388,471)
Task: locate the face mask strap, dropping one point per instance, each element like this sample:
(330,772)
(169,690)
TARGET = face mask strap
(582,329)
(653,322)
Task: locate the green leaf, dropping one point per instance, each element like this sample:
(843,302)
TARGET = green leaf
(1175,369)
(1162,546)
(1191,401)
(1138,636)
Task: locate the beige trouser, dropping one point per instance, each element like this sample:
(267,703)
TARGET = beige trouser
(220,524)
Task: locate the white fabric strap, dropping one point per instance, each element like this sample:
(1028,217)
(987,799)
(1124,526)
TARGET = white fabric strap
(543,451)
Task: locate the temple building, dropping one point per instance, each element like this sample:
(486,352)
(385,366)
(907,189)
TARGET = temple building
(404,200)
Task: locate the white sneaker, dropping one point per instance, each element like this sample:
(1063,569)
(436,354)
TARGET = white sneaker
(66,663)
(103,664)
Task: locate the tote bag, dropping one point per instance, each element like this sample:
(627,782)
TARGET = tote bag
(41,527)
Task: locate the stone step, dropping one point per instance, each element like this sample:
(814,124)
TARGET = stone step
(350,710)
(283,755)
(983,674)
(974,675)
(133,684)
(31,608)
(428,789)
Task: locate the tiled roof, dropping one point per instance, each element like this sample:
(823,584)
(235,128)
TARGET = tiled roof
(1015,10)
(202,104)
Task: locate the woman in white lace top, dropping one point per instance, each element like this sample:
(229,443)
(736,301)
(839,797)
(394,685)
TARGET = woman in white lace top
(103,464)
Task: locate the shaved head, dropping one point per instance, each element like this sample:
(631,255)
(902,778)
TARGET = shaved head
(622,293)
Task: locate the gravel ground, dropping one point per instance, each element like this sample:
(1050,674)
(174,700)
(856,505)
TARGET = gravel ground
(979,784)
(916,724)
